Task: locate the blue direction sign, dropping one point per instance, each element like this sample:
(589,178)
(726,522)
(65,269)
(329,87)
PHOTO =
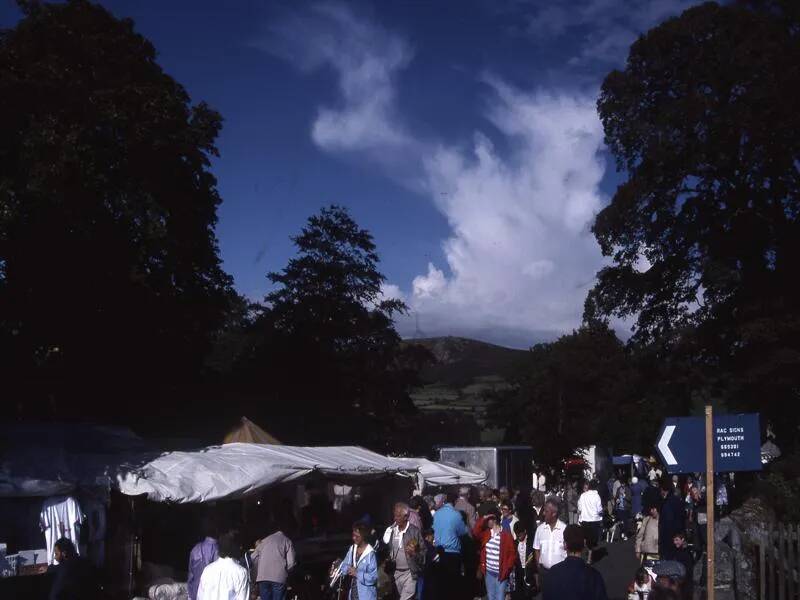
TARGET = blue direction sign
(737,444)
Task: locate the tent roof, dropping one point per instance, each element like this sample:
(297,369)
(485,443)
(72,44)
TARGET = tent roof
(234,470)
(439,473)
(248,432)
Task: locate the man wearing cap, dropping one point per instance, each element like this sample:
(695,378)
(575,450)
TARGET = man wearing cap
(572,579)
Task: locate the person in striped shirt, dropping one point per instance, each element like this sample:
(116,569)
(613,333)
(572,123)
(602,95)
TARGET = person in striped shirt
(498,554)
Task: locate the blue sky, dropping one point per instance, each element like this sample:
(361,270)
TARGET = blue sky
(463,135)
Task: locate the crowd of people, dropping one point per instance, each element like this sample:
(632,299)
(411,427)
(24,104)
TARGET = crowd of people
(484,543)
(474,542)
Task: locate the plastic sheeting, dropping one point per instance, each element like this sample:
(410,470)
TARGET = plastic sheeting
(233,470)
(438,473)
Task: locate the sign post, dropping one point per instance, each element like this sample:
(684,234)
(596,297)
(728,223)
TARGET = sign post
(710,503)
(725,444)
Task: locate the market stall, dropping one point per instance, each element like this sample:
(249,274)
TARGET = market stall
(439,474)
(232,471)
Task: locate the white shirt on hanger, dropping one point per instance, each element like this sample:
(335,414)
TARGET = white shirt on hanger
(60,517)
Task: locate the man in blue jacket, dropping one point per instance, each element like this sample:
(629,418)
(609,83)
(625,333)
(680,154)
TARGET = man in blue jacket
(572,579)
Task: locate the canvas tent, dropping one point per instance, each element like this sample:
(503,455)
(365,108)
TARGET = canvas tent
(231,471)
(248,432)
(439,473)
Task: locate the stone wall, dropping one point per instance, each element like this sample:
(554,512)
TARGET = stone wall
(735,556)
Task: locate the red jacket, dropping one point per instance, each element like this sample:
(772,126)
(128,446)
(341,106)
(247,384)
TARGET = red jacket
(508,553)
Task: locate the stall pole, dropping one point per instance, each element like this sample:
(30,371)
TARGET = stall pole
(709,502)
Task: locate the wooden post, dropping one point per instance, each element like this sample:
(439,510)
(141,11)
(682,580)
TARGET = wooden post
(773,571)
(782,561)
(762,568)
(790,538)
(710,502)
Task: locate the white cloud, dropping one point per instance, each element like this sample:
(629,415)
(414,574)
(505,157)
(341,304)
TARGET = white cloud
(520,257)
(614,25)
(390,291)
(521,254)
(366,59)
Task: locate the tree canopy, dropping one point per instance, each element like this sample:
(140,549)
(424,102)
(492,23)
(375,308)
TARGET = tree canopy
(325,343)
(110,278)
(573,393)
(703,235)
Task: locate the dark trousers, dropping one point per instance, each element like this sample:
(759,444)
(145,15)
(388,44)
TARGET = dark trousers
(591,532)
(449,582)
(270,590)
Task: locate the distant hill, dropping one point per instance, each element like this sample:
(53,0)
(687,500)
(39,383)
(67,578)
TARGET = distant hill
(461,360)
(467,375)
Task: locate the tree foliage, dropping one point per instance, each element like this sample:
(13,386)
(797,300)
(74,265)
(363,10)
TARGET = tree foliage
(576,392)
(326,341)
(110,279)
(704,236)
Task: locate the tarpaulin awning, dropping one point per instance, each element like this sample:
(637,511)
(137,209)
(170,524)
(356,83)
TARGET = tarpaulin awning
(439,473)
(232,470)
(623,460)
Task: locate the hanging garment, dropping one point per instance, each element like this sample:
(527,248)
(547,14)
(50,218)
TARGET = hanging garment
(60,517)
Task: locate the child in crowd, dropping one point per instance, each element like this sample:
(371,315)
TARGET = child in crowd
(522,588)
(641,586)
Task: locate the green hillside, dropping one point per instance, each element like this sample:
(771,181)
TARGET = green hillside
(467,374)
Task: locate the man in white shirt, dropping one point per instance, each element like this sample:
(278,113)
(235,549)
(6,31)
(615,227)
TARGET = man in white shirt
(590,515)
(225,578)
(548,542)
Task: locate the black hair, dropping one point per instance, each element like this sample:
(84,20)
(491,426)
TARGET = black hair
(662,593)
(666,483)
(427,532)
(230,545)
(66,547)
(451,497)
(416,502)
(519,527)
(508,503)
(574,539)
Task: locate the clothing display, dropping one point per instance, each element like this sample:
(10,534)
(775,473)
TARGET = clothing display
(60,517)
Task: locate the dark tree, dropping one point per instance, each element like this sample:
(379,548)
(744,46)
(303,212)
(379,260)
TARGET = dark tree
(110,280)
(704,235)
(577,391)
(329,345)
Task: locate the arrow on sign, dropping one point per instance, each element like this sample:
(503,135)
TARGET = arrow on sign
(663,445)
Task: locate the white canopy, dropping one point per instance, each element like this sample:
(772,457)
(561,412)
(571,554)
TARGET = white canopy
(232,470)
(439,473)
